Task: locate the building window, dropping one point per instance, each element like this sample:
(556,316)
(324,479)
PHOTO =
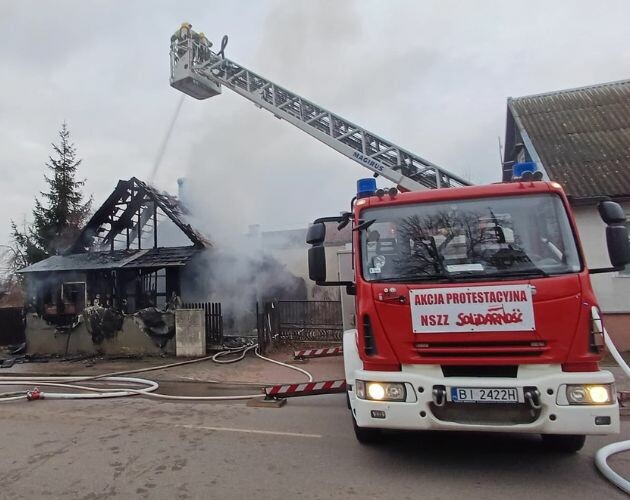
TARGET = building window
(73,297)
(153,292)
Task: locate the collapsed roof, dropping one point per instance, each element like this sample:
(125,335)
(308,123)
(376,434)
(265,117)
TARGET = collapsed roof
(130,207)
(128,214)
(118,259)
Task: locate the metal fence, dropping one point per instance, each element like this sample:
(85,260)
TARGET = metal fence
(214,320)
(283,321)
(304,320)
(267,323)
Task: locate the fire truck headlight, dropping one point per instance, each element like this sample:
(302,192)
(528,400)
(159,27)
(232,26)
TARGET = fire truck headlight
(395,392)
(576,394)
(599,394)
(381,391)
(360,389)
(376,391)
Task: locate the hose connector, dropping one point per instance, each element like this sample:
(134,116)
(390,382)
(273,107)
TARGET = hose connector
(34,394)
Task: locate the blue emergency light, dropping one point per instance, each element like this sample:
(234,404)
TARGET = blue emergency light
(526,170)
(520,168)
(366,187)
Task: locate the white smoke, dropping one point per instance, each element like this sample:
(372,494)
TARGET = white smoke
(227,188)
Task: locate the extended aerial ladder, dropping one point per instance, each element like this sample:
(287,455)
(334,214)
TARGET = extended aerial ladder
(201,73)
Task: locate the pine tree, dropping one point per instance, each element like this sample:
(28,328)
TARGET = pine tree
(59,217)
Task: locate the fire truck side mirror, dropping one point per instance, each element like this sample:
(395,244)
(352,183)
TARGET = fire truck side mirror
(316,233)
(317,263)
(616,232)
(315,236)
(618,245)
(611,212)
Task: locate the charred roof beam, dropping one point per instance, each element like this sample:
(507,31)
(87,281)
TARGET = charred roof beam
(126,218)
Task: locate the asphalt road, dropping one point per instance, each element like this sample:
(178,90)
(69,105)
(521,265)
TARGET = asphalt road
(137,448)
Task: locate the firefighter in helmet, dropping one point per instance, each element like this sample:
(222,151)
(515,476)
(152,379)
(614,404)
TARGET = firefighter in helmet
(180,38)
(182,33)
(204,47)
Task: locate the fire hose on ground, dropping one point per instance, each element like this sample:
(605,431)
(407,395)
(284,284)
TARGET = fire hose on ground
(148,387)
(235,355)
(602,455)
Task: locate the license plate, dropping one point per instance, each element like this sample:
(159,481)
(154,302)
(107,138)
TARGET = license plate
(485,395)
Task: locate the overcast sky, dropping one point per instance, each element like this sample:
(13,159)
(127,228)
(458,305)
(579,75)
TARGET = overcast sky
(430,76)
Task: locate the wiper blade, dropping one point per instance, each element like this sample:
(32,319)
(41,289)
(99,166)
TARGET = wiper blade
(532,271)
(364,225)
(413,279)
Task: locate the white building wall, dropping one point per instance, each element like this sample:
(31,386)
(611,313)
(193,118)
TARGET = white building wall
(295,259)
(612,289)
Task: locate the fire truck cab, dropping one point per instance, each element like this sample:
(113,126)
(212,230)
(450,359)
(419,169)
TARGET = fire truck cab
(474,311)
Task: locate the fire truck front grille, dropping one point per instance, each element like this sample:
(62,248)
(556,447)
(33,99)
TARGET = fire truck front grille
(510,371)
(481,349)
(485,413)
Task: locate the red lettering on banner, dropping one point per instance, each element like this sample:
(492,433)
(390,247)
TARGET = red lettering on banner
(490,318)
(430,299)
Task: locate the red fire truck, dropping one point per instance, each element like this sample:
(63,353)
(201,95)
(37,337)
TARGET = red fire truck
(474,308)
(474,311)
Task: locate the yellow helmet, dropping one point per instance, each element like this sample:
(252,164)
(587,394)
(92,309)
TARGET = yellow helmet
(201,35)
(186,25)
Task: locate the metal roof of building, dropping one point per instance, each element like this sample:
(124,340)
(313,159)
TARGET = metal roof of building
(118,259)
(582,137)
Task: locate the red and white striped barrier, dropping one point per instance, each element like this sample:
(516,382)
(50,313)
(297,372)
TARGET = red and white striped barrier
(306,389)
(318,353)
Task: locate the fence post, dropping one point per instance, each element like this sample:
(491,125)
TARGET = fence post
(213,320)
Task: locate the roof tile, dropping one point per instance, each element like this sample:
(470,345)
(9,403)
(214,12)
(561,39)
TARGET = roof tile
(582,137)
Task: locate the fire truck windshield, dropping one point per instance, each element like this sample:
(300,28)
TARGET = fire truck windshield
(503,237)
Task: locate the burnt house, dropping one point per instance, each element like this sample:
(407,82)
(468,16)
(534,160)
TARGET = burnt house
(128,257)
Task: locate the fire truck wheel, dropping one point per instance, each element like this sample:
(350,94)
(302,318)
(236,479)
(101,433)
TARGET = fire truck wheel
(366,435)
(567,443)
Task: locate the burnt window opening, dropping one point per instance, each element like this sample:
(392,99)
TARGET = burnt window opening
(73,297)
(102,289)
(153,289)
(62,302)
